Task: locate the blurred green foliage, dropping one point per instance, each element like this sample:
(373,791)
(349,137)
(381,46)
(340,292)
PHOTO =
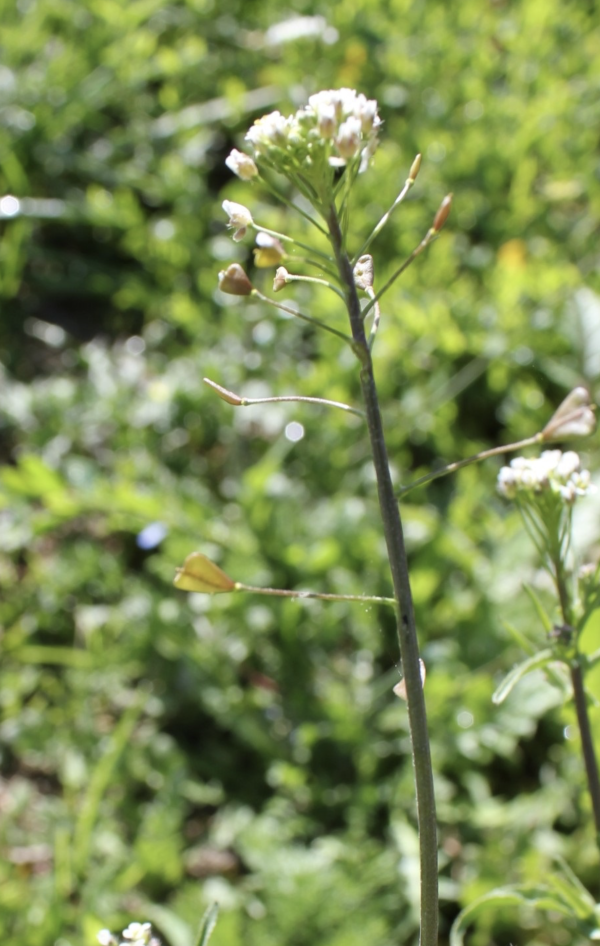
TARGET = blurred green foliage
(160,751)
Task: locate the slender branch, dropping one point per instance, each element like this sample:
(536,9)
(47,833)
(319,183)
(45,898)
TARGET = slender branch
(312,262)
(293,277)
(238,401)
(459,464)
(381,224)
(324,402)
(409,259)
(288,239)
(407,635)
(285,593)
(290,203)
(587,743)
(300,315)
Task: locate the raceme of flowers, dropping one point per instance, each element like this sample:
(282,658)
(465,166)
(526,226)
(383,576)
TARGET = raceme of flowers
(553,472)
(342,125)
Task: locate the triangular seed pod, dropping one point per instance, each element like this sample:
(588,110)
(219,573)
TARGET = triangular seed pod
(201,575)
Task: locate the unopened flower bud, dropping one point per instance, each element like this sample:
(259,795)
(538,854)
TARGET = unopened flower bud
(281,278)
(573,418)
(269,251)
(223,393)
(442,214)
(363,272)
(348,138)
(414,168)
(242,165)
(327,120)
(587,574)
(234,281)
(240,218)
(366,112)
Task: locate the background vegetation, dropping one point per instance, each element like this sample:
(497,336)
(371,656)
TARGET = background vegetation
(158,750)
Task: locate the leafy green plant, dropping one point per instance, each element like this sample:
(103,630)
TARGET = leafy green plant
(545,490)
(113,130)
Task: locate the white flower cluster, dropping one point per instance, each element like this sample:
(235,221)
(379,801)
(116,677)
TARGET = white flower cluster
(140,933)
(343,120)
(555,471)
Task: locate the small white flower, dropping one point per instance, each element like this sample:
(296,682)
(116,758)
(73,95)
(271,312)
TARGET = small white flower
(271,129)
(348,138)
(568,493)
(240,218)
(367,154)
(327,121)
(138,933)
(242,165)
(507,482)
(366,112)
(105,938)
(326,102)
(347,99)
(568,464)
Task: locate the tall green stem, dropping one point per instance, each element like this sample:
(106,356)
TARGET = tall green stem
(579,697)
(587,743)
(407,634)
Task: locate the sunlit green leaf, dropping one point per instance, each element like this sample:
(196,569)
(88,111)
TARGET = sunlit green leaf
(536,662)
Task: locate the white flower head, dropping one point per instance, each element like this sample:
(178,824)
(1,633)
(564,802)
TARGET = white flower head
(339,123)
(240,218)
(242,165)
(555,472)
(138,932)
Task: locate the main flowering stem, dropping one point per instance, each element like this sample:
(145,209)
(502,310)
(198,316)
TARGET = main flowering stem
(407,634)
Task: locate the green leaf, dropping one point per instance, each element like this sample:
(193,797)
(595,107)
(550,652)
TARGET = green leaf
(209,921)
(573,892)
(519,637)
(517,673)
(100,781)
(539,607)
(201,575)
(175,930)
(537,897)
